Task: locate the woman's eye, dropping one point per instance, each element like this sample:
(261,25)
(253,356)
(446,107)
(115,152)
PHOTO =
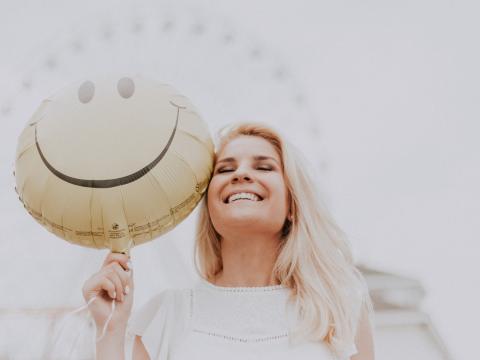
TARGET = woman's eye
(264,167)
(230,169)
(223,170)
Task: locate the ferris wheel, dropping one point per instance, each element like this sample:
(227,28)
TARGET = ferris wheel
(228,74)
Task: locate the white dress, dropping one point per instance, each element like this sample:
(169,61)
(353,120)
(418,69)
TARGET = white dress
(214,322)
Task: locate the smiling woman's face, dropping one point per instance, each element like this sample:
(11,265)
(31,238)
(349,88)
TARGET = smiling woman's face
(247,192)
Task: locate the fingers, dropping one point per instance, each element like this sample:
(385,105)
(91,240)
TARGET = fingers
(115,278)
(130,277)
(120,278)
(122,259)
(107,285)
(117,282)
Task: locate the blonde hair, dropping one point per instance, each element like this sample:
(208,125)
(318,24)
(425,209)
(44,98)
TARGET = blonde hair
(314,261)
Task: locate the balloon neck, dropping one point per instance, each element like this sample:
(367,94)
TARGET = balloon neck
(122,248)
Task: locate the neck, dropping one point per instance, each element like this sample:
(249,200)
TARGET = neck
(248,261)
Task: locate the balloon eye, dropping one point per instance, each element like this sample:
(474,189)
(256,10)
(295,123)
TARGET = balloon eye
(86,92)
(126,87)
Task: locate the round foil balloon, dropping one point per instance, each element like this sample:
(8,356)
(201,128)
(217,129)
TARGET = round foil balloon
(113,163)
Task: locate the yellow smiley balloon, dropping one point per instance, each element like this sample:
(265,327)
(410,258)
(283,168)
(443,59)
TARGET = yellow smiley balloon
(113,163)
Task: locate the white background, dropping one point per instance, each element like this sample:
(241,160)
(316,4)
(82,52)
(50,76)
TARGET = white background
(395,89)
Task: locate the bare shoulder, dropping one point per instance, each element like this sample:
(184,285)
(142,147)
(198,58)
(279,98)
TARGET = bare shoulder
(139,351)
(364,338)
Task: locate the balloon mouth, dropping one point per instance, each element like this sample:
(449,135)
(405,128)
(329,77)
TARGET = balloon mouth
(110,183)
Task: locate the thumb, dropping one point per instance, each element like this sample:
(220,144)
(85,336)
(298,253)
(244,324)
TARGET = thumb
(130,280)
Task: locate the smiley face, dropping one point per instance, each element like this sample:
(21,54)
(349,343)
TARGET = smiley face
(105,129)
(113,162)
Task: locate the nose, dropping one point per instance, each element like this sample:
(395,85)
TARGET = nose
(241,176)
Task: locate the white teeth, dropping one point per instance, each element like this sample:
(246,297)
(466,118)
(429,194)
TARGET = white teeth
(247,196)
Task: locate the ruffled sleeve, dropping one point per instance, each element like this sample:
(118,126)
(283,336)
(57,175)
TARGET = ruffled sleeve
(349,351)
(159,322)
(360,307)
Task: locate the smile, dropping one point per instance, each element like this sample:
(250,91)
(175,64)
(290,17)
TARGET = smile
(109,183)
(243,196)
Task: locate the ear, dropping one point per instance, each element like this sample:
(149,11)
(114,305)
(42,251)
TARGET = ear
(287,226)
(291,207)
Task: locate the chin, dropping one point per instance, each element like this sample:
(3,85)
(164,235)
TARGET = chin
(243,220)
(251,223)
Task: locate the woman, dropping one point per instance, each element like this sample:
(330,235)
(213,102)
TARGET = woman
(278,280)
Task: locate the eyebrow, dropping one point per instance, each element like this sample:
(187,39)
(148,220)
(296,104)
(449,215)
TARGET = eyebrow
(257,158)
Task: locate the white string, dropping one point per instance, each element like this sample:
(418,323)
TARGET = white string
(67,316)
(106,322)
(83,307)
(63,321)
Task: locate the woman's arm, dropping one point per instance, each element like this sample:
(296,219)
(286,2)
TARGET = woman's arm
(139,351)
(111,346)
(364,339)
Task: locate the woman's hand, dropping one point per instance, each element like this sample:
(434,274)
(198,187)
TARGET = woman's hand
(113,281)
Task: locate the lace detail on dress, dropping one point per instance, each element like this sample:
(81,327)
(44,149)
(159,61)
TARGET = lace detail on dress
(243,340)
(242,289)
(245,314)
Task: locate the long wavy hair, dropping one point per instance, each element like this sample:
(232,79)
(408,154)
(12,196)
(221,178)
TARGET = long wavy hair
(314,260)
